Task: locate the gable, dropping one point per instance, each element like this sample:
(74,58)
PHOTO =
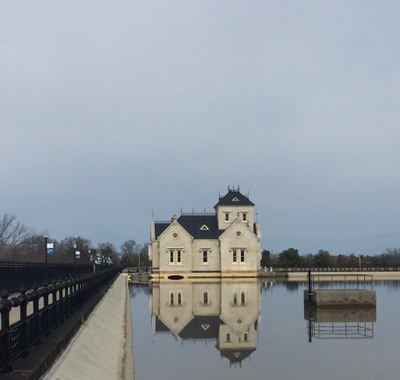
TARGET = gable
(166,229)
(237,230)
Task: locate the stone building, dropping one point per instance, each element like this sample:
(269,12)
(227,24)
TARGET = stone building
(225,243)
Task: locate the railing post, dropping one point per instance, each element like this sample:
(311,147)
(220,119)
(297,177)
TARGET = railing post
(61,302)
(54,305)
(5,340)
(23,303)
(36,324)
(309,286)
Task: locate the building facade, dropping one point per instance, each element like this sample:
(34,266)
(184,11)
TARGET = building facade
(221,244)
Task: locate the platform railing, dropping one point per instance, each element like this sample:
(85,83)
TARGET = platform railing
(346,281)
(49,305)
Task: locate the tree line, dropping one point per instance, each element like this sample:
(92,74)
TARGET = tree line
(20,243)
(290,257)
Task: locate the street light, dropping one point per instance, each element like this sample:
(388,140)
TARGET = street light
(46,238)
(75,247)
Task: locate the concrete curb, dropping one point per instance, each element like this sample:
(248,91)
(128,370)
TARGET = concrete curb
(102,347)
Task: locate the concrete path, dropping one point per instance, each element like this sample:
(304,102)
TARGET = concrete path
(102,349)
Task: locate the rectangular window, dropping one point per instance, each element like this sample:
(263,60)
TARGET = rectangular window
(242,298)
(205,298)
(227,217)
(234,299)
(242,255)
(205,256)
(175,256)
(244,217)
(179,298)
(234,256)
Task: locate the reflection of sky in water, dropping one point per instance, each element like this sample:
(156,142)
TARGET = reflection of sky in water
(282,347)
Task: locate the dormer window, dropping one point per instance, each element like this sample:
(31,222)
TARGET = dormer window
(235,199)
(204,228)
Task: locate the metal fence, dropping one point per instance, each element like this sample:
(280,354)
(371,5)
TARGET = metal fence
(51,304)
(336,269)
(337,281)
(13,275)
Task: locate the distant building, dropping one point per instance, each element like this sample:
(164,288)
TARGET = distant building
(221,244)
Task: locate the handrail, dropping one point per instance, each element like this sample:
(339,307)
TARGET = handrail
(67,296)
(341,281)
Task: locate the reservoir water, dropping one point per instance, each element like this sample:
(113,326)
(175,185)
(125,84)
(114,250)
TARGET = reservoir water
(260,330)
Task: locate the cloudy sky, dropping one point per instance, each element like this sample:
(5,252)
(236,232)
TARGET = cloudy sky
(112,112)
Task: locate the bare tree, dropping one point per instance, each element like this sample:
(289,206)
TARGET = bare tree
(12,232)
(68,247)
(130,253)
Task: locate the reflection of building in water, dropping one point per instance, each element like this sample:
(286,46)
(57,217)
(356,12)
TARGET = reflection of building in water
(227,312)
(346,322)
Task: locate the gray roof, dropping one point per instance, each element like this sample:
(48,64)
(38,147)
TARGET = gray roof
(234,198)
(201,327)
(236,355)
(160,227)
(205,226)
(199,226)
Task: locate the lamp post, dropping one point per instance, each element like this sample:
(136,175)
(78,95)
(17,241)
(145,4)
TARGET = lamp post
(46,238)
(75,247)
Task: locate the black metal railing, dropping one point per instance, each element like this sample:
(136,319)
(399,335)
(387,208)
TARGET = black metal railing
(49,306)
(335,269)
(14,274)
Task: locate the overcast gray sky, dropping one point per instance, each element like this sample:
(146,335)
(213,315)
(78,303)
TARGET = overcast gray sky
(113,110)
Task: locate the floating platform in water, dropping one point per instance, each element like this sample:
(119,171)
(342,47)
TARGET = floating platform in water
(343,290)
(340,297)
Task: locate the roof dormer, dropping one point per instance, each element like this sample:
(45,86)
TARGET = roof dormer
(234,205)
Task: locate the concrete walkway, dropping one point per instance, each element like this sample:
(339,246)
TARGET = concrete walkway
(102,349)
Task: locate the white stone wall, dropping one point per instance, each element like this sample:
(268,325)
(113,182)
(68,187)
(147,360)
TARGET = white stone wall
(214,261)
(235,212)
(239,237)
(177,239)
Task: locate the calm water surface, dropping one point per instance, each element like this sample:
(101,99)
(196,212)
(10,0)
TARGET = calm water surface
(254,330)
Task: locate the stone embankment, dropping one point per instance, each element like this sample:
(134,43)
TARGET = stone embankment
(102,348)
(341,276)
